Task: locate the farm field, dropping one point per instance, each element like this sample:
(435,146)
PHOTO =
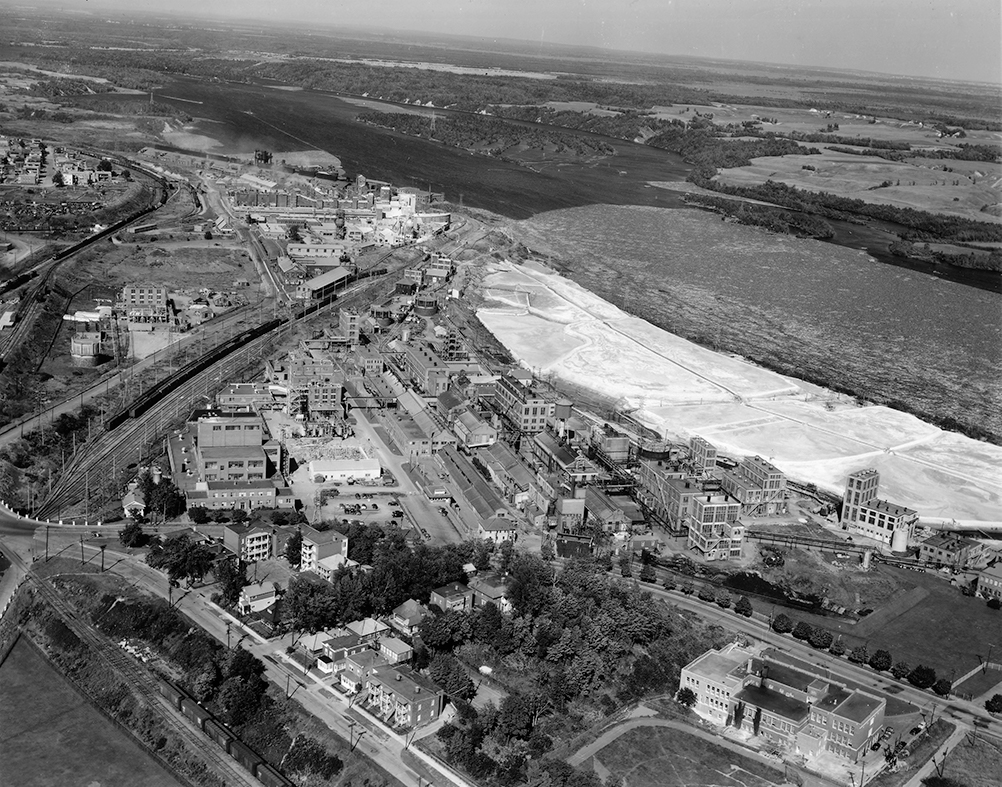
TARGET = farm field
(46,721)
(922,184)
(665,757)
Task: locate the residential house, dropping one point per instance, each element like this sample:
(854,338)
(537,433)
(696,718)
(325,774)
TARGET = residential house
(250,543)
(490,587)
(454,596)
(403,697)
(368,629)
(356,669)
(258,597)
(338,648)
(408,616)
(394,650)
(318,545)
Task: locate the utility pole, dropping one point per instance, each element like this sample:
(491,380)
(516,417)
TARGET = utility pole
(102,557)
(81,551)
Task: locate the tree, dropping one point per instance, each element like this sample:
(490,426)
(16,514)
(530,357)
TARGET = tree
(199,515)
(994,705)
(104,166)
(900,669)
(448,673)
(686,697)
(294,549)
(231,574)
(706,594)
(994,603)
(922,677)
(803,630)
(647,573)
(837,647)
(669,583)
(743,607)
(132,535)
(166,500)
(943,687)
(181,559)
(57,179)
(756,720)
(881,661)
(624,566)
(859,655)
(782,624)
(739,715)
(723,599)
(238,516)
(207,235)
(821,638)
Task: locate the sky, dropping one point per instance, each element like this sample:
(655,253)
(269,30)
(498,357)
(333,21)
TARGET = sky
(946,39)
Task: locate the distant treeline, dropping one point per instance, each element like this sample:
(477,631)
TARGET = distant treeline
(700,146)
(630,124)
(775,219)
(486,134)
(924,226)
(974,260)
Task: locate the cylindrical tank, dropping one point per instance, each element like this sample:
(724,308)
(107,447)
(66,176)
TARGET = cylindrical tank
(899,541)
(425,306)
(562,408)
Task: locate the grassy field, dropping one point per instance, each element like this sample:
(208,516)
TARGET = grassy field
(974,763)
(980,683)
(663,757)
(52,736)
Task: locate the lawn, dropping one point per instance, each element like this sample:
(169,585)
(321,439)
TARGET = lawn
(665,757)
(946,630)
(980,682)
(974,763)
(52,736)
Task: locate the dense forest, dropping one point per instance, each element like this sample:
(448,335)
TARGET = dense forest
(486,134)
(776,219)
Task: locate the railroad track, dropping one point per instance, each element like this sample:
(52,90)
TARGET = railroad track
(139,682)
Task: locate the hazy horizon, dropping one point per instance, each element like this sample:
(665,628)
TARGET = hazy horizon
(942,39)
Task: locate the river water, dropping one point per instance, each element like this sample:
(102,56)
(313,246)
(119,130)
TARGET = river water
(816,310)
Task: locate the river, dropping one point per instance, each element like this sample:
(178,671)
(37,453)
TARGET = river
(888,331)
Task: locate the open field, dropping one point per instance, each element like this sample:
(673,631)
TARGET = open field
(51,736)
(666,757)
(910,184)
(556,327)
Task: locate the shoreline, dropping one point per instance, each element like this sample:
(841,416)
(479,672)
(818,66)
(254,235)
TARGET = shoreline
(555,326)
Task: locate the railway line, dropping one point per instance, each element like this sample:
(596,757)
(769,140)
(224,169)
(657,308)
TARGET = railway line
(133,430)
(140,682)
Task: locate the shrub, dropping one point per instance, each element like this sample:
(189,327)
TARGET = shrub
(307,756)
(669,583)
(994,705)
(994,603)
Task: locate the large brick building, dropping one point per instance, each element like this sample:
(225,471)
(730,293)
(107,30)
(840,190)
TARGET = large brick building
(784,700)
